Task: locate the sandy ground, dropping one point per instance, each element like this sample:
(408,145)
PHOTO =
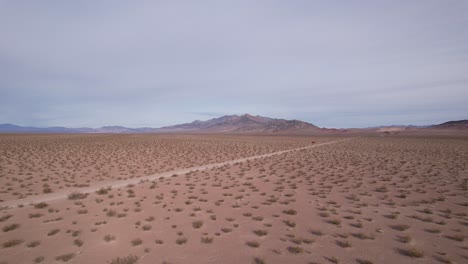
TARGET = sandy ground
(109,184)
(364,200)
(66,161)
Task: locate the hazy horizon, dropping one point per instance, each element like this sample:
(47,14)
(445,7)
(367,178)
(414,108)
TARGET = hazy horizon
(153,64)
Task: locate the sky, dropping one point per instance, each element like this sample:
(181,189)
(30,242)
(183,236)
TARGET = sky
(137,63)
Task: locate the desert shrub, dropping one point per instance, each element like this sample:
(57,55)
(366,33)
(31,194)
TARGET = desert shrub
(34,243)
(39,259)
(111,213)
(226,230)
(290,212)
(363,261)
(41,205)
(289,223)
(137,241)
(336,222)
(343,244)
(131,259)
(316,232)
(207,240)
(295,250)
(109,238)
(76,196)
(197,224)
(363,236)
(403,239)
(11,227)
(458,238)
(5,217)
(258,218)
(260,232)
(103,191)
(253,244)
(65,257)
(181,240)
(12,243)
(332,259)
(35,215)
(258,260)
(53,232)
(401,227)
(411,252)
(78,242)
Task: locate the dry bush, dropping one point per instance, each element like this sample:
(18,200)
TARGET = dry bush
(411,252)
(181,240)
(253,244)
(41,205)
(76,196)
(207,240)
(131,259)
(12,243)
(197,224)
(10,227)
(136,242)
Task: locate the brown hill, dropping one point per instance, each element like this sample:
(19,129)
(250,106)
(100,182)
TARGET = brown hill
(243,123)
(461,124)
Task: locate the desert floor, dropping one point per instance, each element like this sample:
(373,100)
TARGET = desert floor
(357,200)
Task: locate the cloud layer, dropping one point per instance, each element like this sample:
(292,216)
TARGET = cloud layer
(155,63)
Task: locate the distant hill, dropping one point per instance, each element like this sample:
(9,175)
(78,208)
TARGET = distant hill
(16,129)
(243,123)
(461,124)
(10,128)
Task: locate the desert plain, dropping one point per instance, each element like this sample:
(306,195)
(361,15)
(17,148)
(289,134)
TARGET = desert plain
(211,198)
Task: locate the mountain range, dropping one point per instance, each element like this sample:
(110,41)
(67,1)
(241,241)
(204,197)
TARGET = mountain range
(226,124)
(243,123)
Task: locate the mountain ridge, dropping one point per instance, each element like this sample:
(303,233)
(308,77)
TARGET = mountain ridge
(230,124)
(458,124)
(243,123)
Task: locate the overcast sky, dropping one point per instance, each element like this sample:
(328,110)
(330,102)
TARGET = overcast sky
(154,63)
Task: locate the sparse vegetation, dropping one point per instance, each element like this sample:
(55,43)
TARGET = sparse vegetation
(388,189)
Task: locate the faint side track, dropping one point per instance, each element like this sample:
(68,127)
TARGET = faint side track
(63,194)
